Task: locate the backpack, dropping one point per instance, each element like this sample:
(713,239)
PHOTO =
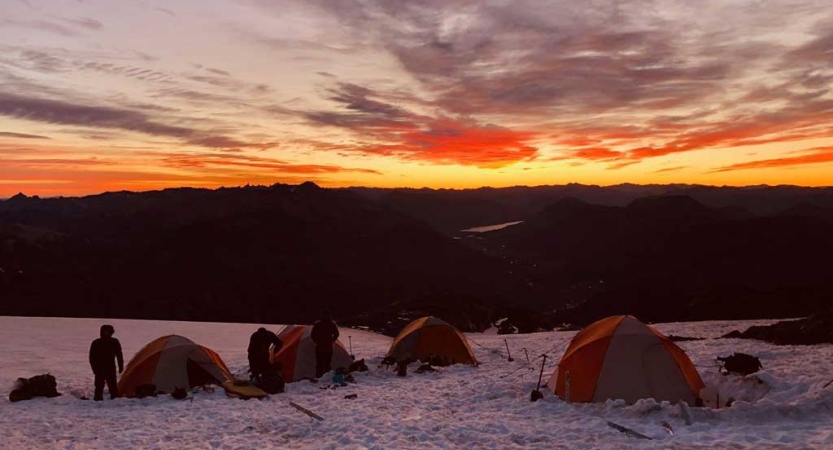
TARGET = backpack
(740,364)
(270,382)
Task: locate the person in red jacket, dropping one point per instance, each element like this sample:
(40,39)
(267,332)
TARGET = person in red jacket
(105,352)
(324,335)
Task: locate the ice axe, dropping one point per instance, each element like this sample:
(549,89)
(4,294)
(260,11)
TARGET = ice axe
(508,352)
(536,394)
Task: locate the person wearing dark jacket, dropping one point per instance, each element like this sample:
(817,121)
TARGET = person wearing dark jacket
(105,352)
(324,335)
(259,345)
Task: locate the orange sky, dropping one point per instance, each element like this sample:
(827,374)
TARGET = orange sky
(101,95)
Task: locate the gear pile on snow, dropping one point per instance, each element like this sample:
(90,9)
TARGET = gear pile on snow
(37,386)
(739,364)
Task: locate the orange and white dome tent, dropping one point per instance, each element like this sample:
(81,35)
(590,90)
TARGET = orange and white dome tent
(620,357)
(297,355)
(172,362)
(430,336)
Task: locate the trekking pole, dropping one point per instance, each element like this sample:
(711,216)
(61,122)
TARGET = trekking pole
(350,340)
(536,394)
(527,354)
(507,351)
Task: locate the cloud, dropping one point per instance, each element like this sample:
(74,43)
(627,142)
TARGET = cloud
(224,142)
(8,134)
(447,141)
(818,155)
(644,79)
(218,72)
(205,160)
(407,135)
(84,22)
(9,163)
(40,25)
(670,169)
(66,113)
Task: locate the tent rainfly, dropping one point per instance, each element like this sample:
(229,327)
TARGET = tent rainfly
(620,357)
(297,355)
(172,362)
(430,339)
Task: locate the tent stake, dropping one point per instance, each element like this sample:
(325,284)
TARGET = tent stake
(350,340)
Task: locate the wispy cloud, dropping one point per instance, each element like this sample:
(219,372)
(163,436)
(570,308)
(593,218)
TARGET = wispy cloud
(8,134)
(811,156)
(66,113)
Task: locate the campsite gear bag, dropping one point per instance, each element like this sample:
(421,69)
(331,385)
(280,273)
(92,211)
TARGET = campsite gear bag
(740,364)
(270,382)
(37,386)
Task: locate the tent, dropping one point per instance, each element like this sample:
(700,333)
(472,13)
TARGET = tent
(622,358)
(172,362)
(297,356)
(430,337)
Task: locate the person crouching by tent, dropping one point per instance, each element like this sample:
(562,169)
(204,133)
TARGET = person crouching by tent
(259,345)
(324,334)
(105,352)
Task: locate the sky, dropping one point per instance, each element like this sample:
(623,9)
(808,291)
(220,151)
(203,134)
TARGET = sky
(103,95)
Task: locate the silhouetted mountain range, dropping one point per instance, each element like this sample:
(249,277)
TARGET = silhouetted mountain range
(450,210)
(277,254)
(380,257)
(671,258)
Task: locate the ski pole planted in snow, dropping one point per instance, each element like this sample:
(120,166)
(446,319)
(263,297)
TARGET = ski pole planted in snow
(536,394)
(527,354)
(507,351)
(305,411)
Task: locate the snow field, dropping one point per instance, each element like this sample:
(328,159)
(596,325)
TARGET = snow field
(486,407)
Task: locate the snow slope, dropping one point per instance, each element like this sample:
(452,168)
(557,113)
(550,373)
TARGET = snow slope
(461,407)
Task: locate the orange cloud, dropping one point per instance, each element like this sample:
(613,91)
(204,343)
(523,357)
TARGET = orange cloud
(454,142)
(813,156)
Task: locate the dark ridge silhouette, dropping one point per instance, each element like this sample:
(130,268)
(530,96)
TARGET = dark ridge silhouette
(669,258)
(450,210)
(272,254)
(282,253)
(816,329)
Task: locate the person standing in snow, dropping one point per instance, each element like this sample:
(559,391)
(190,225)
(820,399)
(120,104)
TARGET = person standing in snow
(105,352)
(258,350)
(324,335)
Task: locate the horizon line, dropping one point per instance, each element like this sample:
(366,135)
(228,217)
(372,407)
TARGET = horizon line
(724,186)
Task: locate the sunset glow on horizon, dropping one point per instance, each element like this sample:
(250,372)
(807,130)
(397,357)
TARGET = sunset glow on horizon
(97,95)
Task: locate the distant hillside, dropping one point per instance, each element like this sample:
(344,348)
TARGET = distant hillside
(671,257)
(378,257)
(450,210)
(277,254)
